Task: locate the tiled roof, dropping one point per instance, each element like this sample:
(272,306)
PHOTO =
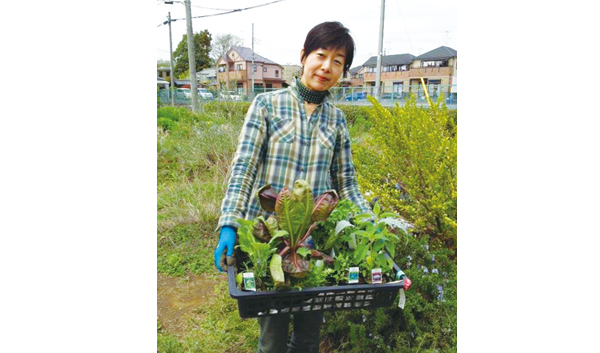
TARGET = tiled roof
(355,70)
(441,53)
(398,59)
(246,54)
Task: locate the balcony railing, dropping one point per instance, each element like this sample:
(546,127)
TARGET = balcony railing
(415,72)
(232,76)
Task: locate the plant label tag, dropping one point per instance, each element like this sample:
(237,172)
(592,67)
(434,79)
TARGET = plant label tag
(353,275)
(400,274)
(376,276)
(249,281)
(402,299)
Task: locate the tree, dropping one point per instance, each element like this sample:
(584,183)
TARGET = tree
(222,44)
(163,63)
(202,47)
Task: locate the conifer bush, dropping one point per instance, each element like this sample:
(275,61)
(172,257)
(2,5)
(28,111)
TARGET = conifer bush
(409,161)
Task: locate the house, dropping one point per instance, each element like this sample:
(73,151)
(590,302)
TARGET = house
(235,71)
(402,73)
(352,78)
(207,78)
(395,72)
(163,71)
(162,83)
(438,69)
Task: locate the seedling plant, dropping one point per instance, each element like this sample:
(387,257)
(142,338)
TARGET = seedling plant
(293,243)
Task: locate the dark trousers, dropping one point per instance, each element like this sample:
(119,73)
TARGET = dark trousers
(305,335)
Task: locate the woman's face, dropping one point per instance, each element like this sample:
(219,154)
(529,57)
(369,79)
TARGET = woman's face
(323,68)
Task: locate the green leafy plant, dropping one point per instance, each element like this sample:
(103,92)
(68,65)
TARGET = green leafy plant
(410,162)
(297,214)
(257,251)
(366,241)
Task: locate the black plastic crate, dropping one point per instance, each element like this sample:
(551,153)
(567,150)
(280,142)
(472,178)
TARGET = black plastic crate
(344,297)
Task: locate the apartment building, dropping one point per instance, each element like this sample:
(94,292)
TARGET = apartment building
(402,73)
(235,71)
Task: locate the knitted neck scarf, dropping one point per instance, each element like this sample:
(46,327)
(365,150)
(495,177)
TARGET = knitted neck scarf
(309,95)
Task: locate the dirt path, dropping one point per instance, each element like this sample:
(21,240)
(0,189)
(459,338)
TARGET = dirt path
(178,297)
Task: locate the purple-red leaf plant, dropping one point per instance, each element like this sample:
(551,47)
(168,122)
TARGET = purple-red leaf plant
(297,213)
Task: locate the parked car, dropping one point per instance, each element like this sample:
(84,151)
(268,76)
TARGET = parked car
(356,96)
(186,93)
(183,93)
(230,96)
(204,94)
(395,95)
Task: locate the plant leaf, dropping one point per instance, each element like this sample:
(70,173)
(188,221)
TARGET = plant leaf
(267,196)
(378,245)
(391,248)
(271,224)
(333,238)
(276,270)
(360,252)
(295,265)
(260,230)
(287,213)
(303,196)
(376,209)
(388,214)
(324,205)
(394,222)
(341,225)
(303,251)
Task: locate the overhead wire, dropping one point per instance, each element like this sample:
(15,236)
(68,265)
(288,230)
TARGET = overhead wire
(225,13)
(404,23)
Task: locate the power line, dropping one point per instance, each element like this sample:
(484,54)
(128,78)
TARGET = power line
(224,13)
(200,7)
(404,23)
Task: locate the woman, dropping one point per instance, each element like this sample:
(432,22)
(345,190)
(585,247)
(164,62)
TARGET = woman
(291,134)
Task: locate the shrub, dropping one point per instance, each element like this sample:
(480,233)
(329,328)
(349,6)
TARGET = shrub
(409,162)
(354,112)
(168,117)
(228,109)
(426,324)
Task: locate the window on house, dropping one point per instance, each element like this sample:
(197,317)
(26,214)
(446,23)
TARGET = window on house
(239,67)
(436,63)
(255,67)
(397,88)
(276,73)
(264,69)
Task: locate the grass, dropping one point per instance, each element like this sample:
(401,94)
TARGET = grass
(215,326)
(194,152)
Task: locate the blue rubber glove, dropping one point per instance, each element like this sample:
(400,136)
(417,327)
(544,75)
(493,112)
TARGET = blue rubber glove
(226,242)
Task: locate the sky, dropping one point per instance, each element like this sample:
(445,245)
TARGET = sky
(280,28)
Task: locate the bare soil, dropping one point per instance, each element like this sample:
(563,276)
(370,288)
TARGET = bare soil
(178,297)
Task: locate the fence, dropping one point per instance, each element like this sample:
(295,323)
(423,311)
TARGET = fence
(341,95)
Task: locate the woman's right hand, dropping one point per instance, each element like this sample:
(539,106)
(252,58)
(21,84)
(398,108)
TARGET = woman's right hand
(226,242)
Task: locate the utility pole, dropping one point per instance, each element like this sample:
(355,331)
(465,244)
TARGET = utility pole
(191,55)
(172,70)
(378,76)
(253,68)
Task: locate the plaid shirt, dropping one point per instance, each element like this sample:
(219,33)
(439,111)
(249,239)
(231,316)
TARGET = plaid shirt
(279,145)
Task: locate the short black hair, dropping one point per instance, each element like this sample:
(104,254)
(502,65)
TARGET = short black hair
(330,35)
